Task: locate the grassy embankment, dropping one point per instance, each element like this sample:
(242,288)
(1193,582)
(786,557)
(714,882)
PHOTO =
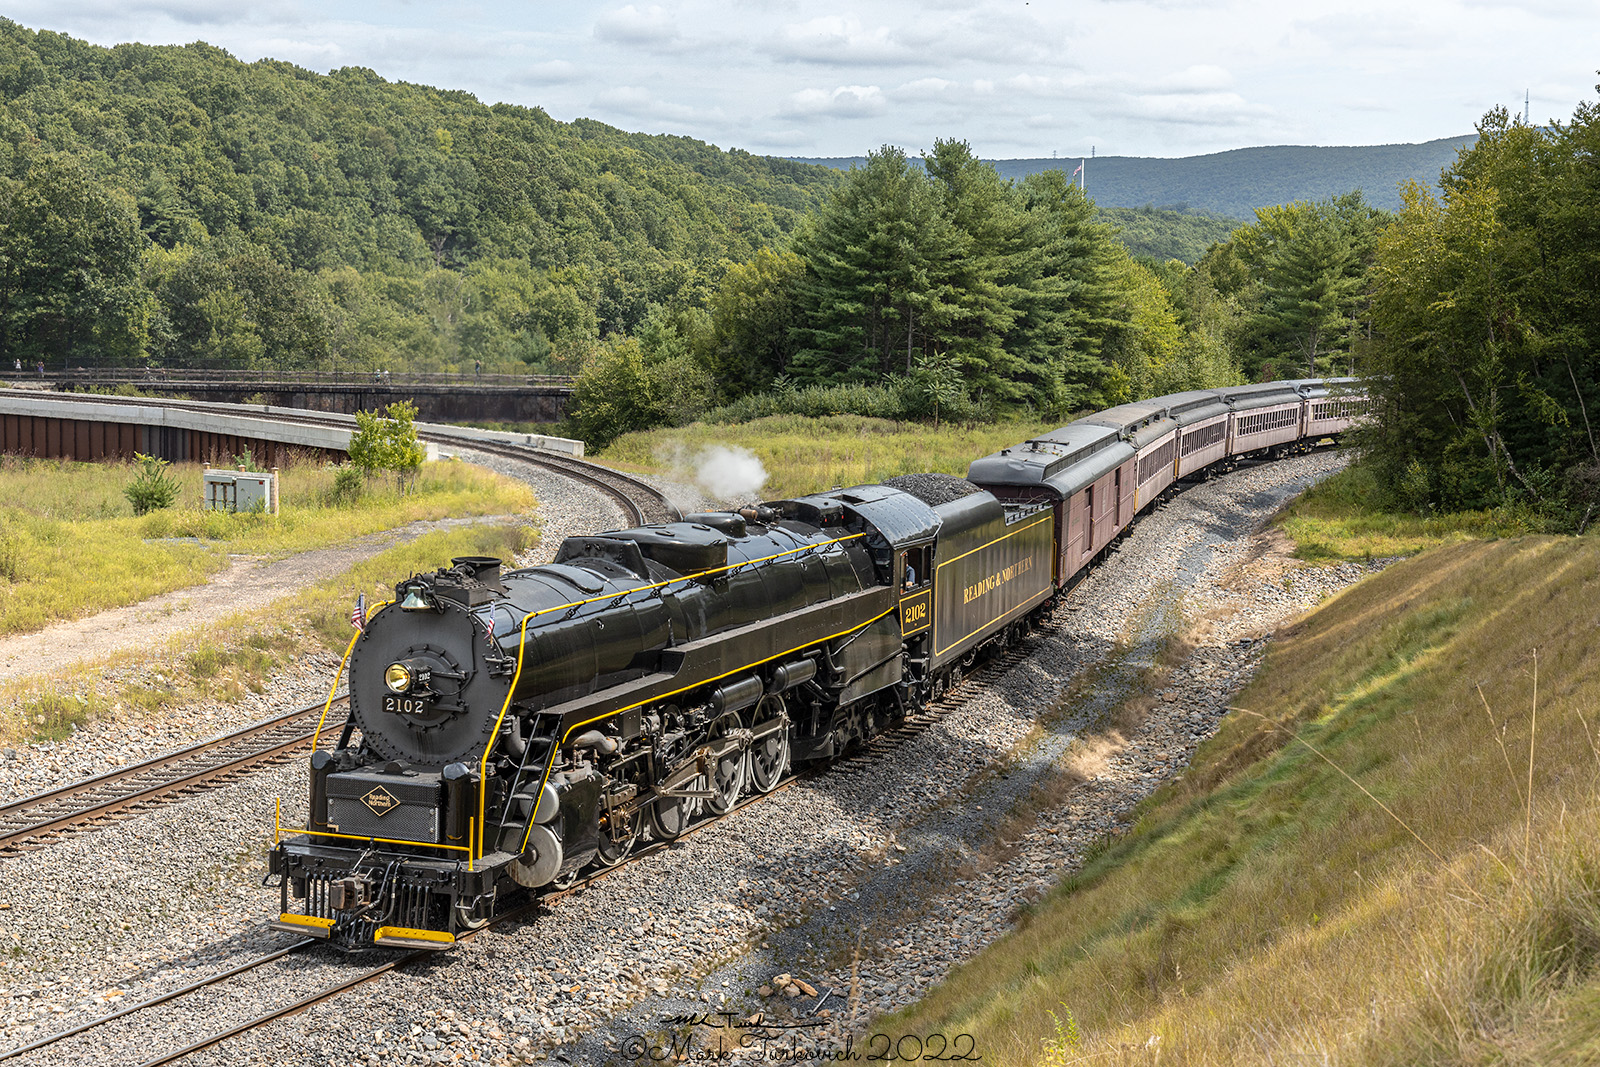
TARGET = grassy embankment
(1347,518)
(804,455)
(1390,858)
(70,546)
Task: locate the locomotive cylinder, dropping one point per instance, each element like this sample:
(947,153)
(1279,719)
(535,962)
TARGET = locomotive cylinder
(789,675)
(736,696)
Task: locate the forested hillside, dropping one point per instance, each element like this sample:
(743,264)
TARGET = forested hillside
(1234,184)
(175,206)
(213,210)
(1165,233)
(935,288)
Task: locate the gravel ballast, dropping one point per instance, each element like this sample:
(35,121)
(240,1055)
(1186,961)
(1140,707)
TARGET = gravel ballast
(841,880)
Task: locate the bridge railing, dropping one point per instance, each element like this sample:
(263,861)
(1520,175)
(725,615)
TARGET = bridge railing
(166,376)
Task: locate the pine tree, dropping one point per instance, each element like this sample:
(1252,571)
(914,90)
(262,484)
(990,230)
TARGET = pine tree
(995,267)
(877,290)
(1311,283)
(1070,308)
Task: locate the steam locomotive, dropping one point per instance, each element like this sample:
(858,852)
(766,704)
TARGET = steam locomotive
(508,730)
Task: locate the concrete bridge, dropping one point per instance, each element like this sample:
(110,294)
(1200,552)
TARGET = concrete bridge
(81,426)
(448,398)
(50,425)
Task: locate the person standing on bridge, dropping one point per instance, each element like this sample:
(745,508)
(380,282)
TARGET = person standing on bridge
(477,368)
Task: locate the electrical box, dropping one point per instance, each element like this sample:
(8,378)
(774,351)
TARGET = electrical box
(242,491)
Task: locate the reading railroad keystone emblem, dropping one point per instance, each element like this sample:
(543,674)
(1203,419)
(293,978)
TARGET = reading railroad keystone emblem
(380,801)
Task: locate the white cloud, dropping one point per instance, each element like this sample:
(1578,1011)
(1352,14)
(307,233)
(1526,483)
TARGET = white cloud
(844,102)
(1210,109)
(788,141)
(929,89)
(1141,77)
(313,55)
(188,12)
(550,72)
(651,27)
(1198,79)
(841,40)
(632,100)
(1396,28)
(1040,85)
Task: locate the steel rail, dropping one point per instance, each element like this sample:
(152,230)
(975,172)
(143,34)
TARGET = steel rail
(23,826)
(876,750)
(144,1005)
(622,488)
(334,990)
(295,1008)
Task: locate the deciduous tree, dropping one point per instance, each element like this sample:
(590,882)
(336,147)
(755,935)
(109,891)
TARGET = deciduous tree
(70,288)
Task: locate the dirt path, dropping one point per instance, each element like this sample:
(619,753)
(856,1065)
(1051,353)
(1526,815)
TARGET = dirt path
(251,582)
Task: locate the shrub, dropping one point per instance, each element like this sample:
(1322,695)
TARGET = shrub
(55,716)
(348,485)
(152,487)
(388,442)
(10,552)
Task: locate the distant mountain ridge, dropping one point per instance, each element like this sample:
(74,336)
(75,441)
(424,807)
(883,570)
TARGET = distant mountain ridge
(1236,182)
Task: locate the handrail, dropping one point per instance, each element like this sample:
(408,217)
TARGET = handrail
(165,376)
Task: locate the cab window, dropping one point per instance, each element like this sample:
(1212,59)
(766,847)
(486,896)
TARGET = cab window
(917,567)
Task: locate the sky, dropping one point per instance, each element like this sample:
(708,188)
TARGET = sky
(1013,78)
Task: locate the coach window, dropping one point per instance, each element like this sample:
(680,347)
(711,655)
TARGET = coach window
(918,567)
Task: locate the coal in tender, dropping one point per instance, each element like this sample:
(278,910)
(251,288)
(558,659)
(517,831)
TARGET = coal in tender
(932,489)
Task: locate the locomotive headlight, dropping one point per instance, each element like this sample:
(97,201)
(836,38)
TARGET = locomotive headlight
(397,677)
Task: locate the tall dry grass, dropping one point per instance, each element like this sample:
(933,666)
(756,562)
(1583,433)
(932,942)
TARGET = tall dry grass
(805,455)
(1387,863)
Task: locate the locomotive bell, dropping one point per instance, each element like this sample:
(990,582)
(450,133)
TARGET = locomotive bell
(417,599)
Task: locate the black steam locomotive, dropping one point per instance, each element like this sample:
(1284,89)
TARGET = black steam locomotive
(508,730)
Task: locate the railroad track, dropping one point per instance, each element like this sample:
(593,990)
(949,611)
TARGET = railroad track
(875,751)
(344,984)
(641,502)
(45,818)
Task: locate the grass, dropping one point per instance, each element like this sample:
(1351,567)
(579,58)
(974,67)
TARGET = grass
(1347,517)
(804,455)
(1391,861)
(241,653)
(71,546)
(53,715)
